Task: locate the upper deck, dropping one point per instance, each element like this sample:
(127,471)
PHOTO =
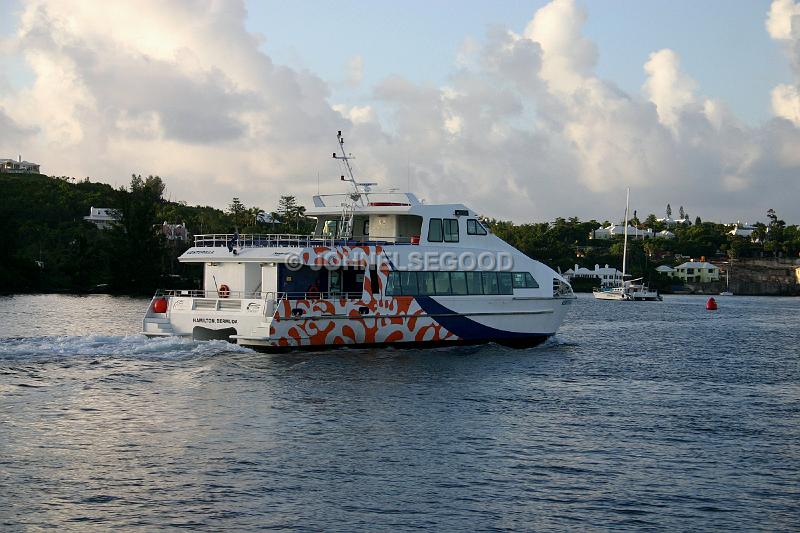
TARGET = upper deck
(387,219)
(385,202)
(281,240)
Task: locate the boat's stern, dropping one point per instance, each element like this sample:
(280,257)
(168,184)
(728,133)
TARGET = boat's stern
(208,315)
(156,322)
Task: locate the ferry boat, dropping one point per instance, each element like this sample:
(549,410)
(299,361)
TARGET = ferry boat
(380,268)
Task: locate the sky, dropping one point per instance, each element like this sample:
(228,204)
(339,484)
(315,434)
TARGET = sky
(522,110)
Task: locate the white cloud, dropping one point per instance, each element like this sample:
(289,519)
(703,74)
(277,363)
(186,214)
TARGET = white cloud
(567,56)
(783,25)
(781,22)
(355,71)
(174,88)
(667,87)
(356,114)
(523,129)
(786,102)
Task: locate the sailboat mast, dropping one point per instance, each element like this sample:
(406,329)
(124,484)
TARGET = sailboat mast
(625,241)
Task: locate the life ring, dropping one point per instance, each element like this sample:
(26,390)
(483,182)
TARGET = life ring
(224,291)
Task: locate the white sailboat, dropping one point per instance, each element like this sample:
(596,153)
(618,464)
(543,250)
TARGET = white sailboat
(727,291)
(626,290)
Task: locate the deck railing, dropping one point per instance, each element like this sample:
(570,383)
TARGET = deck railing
(259,295)
(273,240)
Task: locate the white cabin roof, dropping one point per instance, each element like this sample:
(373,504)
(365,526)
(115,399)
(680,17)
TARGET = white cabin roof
(383,203)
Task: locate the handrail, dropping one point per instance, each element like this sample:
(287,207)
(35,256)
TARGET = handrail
(348,197)
(256,295)
(272,240)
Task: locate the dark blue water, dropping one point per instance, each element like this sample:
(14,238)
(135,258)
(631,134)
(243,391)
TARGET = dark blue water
(657,416)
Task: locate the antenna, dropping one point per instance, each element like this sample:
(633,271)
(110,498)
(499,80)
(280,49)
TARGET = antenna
(345,158)
(359,188)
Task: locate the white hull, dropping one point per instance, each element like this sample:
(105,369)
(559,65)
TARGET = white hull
(374,315)
(273,324)
(609,295)
(627,294)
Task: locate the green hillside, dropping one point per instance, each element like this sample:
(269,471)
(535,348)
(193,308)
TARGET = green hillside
(48,246)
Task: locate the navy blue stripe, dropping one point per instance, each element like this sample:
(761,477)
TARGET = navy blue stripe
(465,327)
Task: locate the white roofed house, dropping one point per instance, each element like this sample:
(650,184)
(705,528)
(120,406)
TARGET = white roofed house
(615,230)
(744,230)
(102,217)
(607,275)
(669,222)
(665,269)
(696,272)
(18,166)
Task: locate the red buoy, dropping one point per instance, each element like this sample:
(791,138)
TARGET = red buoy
(160,305)
(711,304)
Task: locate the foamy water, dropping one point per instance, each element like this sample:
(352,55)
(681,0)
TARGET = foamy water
(133,346)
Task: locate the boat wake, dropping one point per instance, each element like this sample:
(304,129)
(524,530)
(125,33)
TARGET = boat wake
(133,346)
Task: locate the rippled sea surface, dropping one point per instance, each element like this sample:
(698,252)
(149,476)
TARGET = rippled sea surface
(658,416)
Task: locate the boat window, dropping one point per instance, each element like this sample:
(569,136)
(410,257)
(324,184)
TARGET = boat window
(490,283)
(474,283)
(393,284)
(429,283)
(458,282)
(451,230)
(426,286)
(331,228)
(504,281)
(408,283)
(365,229)
(435,230)
(524,280)
(442,282)
(474,227)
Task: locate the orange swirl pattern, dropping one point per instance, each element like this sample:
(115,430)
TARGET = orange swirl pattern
(340,321)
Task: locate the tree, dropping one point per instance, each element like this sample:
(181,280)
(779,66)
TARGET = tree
(238,211)
(138,248)
(253,215)
(290,212)
(774,233)
(651,221)
(681,213)
(697,221)
(669,211)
